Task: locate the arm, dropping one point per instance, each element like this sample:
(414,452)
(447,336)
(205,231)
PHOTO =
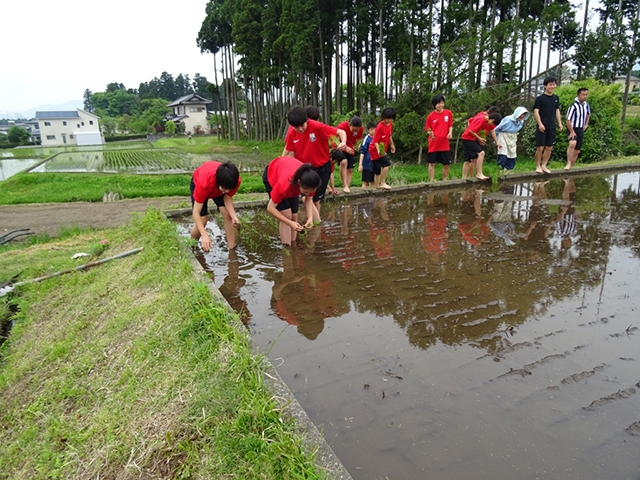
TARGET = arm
(495,139)
(536,115)
(312,212)
(200,225)
(274,212)
(480,140)
(559,120)
(572,133)
(360,164)
(586,122)
(450,133)
(228,204)
(343,139)
(392,147)
(289,153)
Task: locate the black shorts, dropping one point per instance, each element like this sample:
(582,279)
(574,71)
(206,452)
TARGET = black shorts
(325,173)
(367,176)
(439,157)
(204,211)
(579,138)
(341,155)
(546,138)
(292,203)
(379,164)
(471,150)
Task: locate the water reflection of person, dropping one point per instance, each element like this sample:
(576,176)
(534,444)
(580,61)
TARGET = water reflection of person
(566,223)
(348,250)
(378,233)
(300,299)
(475,229)
(435,240)
(231,287)
(502,221)
(540,222)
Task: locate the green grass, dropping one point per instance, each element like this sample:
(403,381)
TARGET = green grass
(88,187)
(132,369)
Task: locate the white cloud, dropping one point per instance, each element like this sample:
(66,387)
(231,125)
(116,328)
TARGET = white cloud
(53,51)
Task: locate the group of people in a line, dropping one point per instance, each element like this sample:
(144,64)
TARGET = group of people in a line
(504,132)
(304,171)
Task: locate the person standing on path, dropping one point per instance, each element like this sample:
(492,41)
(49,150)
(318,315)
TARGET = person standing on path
(578,117)
(546,111)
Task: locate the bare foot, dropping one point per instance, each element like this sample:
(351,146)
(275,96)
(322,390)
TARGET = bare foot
(482,177)
(539,170)
(385,186)
(346,190)
(546,170)
(567,167)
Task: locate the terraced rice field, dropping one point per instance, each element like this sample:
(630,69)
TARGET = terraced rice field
(140,160)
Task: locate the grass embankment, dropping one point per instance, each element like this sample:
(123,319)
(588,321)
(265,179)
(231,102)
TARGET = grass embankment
(70,187)
(132,370)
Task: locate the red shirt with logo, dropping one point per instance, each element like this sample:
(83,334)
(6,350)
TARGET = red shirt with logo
(477,124)
(439,123)
(204,178)
(382,135)
(279,174)
(311,146)
(352,138)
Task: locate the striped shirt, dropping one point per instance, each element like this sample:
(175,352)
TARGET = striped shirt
(578,113)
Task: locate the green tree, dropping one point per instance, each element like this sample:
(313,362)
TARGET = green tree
(88,106)
(18,135)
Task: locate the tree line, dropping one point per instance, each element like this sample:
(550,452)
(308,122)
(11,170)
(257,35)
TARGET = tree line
(357,57)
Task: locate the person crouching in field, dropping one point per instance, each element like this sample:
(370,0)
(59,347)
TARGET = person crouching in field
(220,182)
(474,144)
(285,178)
(507,134)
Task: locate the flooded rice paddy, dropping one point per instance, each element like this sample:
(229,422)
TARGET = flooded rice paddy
(12,166)
(474,334)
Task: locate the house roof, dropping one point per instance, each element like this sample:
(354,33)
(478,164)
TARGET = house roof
(48,115)
(63,114)
(189,100)
(632,78)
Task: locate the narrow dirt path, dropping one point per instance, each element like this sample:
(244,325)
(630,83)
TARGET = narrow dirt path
(49,218)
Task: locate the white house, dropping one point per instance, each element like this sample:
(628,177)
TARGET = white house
(634,82)
(190,110)
(69,128)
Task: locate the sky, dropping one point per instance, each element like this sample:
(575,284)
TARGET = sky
(54,50)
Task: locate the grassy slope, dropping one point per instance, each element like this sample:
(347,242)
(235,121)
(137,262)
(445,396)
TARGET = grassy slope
(97,381)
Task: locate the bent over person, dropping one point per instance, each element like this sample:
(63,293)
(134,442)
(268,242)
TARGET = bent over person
(219,182)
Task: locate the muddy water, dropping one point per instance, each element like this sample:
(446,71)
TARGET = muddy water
(462,335)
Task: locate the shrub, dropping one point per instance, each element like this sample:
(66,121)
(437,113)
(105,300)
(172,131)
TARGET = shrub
(604,135)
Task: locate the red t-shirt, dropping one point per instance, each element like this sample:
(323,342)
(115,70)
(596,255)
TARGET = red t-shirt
(279,175)
(382,135)
(477,124)
(352,138)
(439,124)
(205,179)
(311,146)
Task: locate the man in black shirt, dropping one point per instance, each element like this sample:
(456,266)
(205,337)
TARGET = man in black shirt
(546,111)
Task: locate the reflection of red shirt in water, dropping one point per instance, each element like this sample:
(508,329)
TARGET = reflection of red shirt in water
(349,253)
(381,241)
(435,236)
(474,232)
(308,303)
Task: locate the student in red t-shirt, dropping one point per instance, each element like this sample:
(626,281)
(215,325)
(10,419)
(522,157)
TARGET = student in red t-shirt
(439,126)
(220,182)
(474,144)
(309,142)
(354,130)
(285,178)
(382,140)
